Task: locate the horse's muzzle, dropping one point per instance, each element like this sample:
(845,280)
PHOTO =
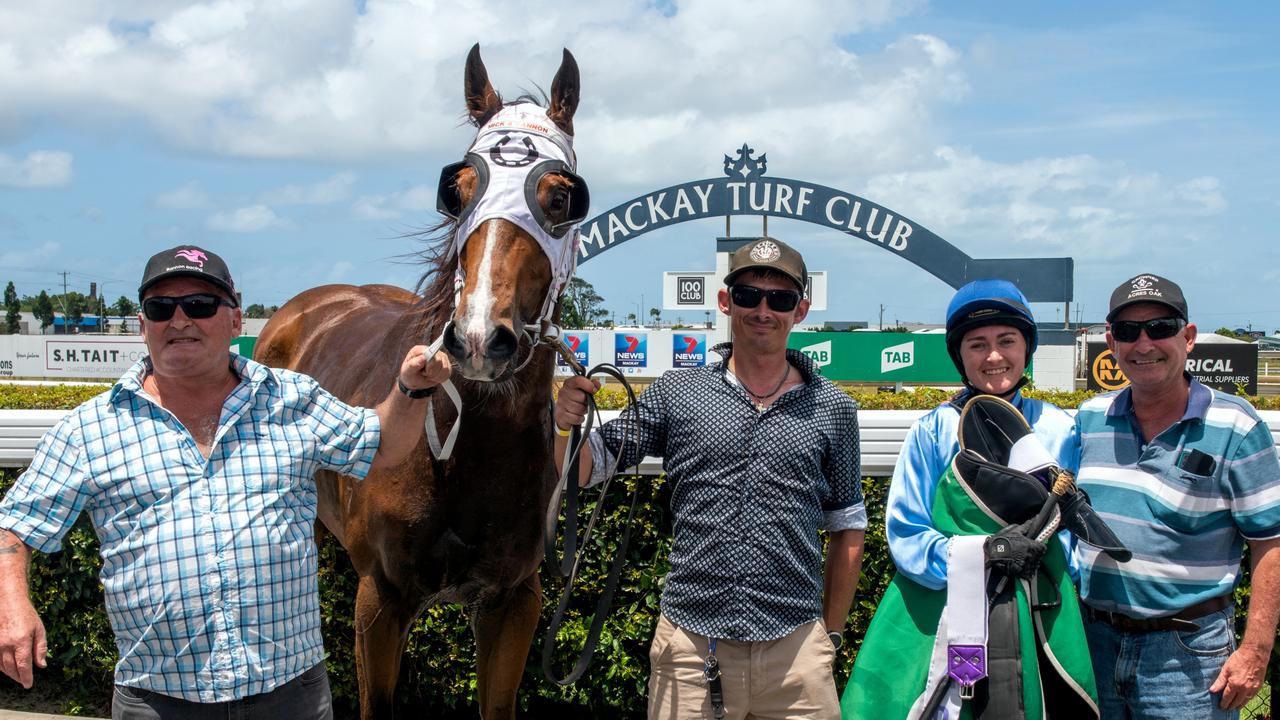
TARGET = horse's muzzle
(481,358)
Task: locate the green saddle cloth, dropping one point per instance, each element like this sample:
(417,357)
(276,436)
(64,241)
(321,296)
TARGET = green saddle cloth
(892,666)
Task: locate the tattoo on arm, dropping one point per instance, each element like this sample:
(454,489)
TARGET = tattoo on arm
(9,550)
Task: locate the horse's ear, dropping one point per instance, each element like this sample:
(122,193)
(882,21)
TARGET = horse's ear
(564,93)
(482,100)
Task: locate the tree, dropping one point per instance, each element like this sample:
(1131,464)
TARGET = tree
(43,310)
(74,312)
(656,314)
(13,310)
(631,318)
(124,307)
(582,305)
(256,310)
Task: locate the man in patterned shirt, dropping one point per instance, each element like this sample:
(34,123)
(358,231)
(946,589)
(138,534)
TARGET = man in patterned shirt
(762,452)
(1184,475)
(196,469)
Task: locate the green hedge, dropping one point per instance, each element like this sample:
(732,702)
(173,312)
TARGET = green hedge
(438,674)
(438,677)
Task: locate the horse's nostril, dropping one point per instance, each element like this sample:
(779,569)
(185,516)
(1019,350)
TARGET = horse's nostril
(502,344)
(453,344)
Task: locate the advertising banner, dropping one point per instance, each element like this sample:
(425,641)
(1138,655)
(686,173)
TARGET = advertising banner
(87,357)
(631,351)
(688,349)
(579,343)
(1221,366)
(878,356)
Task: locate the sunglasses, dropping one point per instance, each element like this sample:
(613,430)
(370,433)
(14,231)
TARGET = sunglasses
(749,296)
(197,307)
(1127,331)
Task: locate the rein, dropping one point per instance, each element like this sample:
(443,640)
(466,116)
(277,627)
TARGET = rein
(570,563)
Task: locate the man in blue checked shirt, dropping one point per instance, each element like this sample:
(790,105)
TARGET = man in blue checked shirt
(196,469)
(1185,475)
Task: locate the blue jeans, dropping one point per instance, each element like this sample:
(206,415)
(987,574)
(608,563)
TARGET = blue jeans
(1161,675)
(305,697)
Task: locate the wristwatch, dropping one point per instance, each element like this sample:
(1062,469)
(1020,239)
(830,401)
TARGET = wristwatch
(836,638)
(414,394)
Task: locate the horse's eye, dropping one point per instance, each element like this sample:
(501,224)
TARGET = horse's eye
(465,182)
(559,200)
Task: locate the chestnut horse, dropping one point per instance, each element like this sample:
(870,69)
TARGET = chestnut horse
(467,529)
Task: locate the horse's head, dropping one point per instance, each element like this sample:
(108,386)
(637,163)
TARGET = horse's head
(517,202)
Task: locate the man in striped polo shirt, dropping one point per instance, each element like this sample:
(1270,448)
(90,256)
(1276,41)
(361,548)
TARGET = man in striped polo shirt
(1185,475)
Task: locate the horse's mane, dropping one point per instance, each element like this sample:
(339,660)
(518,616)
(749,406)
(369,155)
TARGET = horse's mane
(435,287)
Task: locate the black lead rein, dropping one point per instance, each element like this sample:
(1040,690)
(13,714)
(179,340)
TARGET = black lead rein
(570,563)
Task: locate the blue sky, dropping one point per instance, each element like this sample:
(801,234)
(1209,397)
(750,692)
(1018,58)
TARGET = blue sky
(302,140)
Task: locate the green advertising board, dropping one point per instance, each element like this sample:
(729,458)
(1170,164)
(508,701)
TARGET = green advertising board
(878,356)
(243,345)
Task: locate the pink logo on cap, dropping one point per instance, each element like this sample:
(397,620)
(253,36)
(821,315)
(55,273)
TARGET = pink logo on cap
(196,256)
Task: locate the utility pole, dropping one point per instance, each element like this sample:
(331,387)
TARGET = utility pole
(64,274)
(882,316)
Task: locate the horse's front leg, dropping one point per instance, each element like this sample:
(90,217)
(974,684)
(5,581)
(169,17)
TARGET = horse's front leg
(504,631)
(382,630)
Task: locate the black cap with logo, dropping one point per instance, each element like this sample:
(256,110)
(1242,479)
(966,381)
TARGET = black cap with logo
(768,253)
(1148,288)
(188,261)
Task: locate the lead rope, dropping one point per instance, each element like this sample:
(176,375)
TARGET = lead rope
(570,563)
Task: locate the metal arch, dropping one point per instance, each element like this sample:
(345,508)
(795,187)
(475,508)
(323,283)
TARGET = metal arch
(1041,279)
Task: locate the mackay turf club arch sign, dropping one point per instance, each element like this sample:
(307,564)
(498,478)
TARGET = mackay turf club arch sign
(745,190)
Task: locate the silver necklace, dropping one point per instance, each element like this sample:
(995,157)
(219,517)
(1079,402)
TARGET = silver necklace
(759,399)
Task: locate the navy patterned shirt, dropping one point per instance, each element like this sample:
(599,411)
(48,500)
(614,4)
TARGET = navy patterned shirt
(750,490)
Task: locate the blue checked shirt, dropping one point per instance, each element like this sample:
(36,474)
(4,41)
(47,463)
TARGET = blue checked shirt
(209,565)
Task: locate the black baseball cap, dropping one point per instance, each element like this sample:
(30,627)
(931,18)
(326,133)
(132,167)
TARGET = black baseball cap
(188,261)
(1148,288)
(768,253)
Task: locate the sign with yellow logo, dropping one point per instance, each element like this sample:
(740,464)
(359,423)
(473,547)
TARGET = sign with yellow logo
(1105,372)
(1222,366)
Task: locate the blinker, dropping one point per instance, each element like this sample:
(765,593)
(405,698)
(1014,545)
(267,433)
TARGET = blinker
(449,200)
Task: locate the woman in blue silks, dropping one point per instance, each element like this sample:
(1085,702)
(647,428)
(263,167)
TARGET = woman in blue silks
(941,536)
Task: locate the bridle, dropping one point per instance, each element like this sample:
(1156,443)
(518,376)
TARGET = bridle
(510,155)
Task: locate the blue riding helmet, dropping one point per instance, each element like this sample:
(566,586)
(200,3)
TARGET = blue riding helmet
(987,302)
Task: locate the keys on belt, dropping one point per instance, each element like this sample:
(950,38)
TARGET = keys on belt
(711,671)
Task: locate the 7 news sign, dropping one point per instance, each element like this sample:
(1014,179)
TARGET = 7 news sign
(630,349)
(688,350)
(579,344)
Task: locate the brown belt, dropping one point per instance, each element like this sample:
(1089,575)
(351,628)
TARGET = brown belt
(1180,621)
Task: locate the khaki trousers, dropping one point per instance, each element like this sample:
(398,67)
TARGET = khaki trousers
(790,677)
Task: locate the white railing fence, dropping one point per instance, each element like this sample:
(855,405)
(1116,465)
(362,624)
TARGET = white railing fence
(882,433)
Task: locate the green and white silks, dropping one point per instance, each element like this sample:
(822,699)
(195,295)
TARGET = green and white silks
(1035,660)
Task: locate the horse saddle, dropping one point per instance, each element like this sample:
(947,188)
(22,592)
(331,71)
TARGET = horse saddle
(1011,473)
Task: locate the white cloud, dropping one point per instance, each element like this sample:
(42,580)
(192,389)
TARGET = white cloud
(40,168)
(334,189)
(417,199)
(189,196)
(26,257)
(1078,206)
(253,218)
(339,272)
(316,79)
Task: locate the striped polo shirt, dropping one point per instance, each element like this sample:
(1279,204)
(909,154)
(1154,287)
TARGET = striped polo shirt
(1183,502)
